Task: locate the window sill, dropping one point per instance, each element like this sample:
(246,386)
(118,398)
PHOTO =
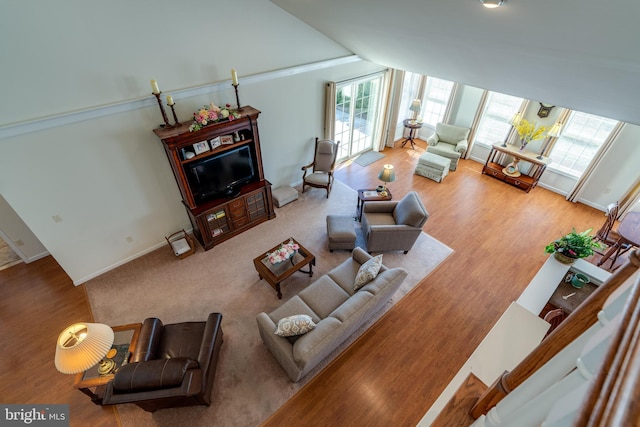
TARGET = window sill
(563,172)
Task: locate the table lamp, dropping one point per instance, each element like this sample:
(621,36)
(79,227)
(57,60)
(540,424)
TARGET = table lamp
(82,345)
(386,175)
(515,121)
(415,107)
(554,132)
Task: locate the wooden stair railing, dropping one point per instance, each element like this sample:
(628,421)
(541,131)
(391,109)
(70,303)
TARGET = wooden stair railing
(614,396)
(578,322)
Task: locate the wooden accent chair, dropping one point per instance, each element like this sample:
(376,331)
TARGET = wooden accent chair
(608,236)
(555,317)
(324,162)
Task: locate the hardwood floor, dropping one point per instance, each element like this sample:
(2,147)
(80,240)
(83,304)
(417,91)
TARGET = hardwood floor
(397,369)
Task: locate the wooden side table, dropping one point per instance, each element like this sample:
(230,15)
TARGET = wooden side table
(367,195)
(413,127)
(124,342)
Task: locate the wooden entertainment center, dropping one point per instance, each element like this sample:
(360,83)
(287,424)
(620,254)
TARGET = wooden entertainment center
(218,217)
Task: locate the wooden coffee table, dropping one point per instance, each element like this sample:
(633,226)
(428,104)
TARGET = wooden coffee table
(275,274)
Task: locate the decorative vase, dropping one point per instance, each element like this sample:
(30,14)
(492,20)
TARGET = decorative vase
(579,280)
(563,258)
(523,143)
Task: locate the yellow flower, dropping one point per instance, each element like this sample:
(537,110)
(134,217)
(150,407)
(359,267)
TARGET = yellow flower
(529,132)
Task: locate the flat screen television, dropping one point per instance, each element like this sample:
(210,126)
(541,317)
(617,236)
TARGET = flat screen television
(221,175)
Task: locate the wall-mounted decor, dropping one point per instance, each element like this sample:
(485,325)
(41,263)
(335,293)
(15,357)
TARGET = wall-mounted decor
(544,110)
(201,147)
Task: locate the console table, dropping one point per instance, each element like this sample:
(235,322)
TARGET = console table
(523,181)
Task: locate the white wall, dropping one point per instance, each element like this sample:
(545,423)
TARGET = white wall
(17,235)
(107,178)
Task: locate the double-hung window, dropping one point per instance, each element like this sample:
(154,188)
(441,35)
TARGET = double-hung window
(495,123)
(582,136)
(434,95)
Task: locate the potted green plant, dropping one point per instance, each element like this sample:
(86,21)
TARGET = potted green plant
(572,246)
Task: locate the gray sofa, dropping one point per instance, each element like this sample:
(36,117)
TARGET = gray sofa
(336,309)
(449,141)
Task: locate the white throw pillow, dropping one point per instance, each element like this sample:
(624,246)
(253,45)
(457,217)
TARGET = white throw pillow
(294,325)
(367,272)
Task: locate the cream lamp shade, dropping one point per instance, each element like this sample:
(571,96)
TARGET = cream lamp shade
(81,346)
(555,130)
(516,119)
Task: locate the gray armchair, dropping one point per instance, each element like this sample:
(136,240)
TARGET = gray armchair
(393,225)
(449,141)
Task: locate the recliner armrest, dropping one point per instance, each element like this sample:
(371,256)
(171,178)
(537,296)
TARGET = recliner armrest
(433,139)
(210,337)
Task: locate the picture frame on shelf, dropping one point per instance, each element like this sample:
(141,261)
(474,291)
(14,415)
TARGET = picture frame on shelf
(226,139)
(201,147)
(215,142)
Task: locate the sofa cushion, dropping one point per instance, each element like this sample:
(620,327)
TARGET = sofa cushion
(321,341)
(410,211)
(152,374)
(367,272)
(323,296)
(181,340)
(293,306)
(350,308)
(451,134)
(298,324)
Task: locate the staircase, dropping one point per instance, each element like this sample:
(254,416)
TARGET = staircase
(456,412)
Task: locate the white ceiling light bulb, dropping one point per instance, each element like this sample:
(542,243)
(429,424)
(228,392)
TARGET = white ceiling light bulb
(491,4)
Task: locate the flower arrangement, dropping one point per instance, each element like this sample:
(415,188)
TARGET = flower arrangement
(283,253)
(574,245)
(529,132)
(210,114)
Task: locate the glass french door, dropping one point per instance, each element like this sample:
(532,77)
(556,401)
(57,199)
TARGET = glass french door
(358,104)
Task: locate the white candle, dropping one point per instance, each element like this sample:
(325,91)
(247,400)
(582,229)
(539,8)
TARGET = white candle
(154,87)
(170,100)
(234,77)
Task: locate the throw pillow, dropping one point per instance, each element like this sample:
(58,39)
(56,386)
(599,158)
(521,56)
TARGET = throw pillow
(367,272)
(291,326)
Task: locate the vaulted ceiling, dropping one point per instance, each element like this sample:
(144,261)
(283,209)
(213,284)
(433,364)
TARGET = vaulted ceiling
(579,54)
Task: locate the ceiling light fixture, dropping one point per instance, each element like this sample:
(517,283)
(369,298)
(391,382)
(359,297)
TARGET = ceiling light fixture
(491,4)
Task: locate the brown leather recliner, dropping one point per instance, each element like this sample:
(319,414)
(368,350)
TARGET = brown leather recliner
(173,365)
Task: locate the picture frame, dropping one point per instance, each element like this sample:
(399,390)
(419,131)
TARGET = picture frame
(215,142)
(201,147)
(226,139)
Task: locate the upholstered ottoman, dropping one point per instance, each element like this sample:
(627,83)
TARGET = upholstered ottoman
(341,232)
(284,195)
(433,166)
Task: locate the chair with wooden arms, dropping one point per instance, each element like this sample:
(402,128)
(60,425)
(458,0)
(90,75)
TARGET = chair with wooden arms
(610,237)
(555,317)
(324,161)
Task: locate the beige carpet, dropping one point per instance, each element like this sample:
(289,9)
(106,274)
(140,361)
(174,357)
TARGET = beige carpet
(250,385)
(8,257)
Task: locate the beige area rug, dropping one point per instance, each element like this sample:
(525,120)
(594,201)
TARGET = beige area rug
(249,384)
(8,257)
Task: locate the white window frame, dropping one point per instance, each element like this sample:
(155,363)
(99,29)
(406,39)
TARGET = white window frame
(501,124)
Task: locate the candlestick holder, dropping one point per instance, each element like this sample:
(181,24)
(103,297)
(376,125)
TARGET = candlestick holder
(237,98)
(175,118)
(164,114)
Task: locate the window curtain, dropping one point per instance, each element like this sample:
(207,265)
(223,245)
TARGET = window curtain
(330,111)
(394,80)
(629,199)
(452,97)
(595,163)
(476,122)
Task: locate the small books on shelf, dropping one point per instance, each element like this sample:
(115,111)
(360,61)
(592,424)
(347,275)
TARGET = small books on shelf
(216,231)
